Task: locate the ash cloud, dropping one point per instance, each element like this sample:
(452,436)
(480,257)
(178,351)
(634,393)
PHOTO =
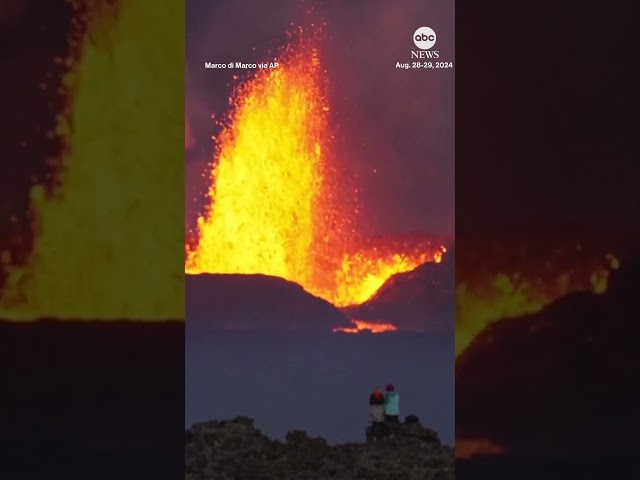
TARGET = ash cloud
(394,128)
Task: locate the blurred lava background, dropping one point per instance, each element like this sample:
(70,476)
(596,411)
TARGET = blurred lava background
(547,227)
(91,297)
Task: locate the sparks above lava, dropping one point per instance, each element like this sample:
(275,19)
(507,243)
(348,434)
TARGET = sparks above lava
(274,189)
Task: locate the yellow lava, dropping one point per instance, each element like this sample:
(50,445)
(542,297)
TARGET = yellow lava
(362,274)
(510,296)
(273,197)
(267,177)
(107,239)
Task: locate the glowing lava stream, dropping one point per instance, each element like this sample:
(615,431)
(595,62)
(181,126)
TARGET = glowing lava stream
(273,193)
(361,325)
(512,296)
(99,252)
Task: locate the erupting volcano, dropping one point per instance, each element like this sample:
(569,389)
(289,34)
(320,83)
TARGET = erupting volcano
(277,206)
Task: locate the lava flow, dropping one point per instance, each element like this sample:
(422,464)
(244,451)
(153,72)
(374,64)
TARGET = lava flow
(274,193)
(361,326)
(98,252)
(487,300)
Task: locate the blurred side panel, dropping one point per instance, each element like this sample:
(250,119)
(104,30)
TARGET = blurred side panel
(547,227)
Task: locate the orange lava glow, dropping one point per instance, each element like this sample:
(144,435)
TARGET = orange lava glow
(274,205)
(362,274)
(470,448)
(513,295)
(361,325)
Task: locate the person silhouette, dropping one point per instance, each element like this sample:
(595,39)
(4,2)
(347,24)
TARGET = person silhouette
(377,414)
(392,405)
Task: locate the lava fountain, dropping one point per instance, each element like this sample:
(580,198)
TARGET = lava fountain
(99,252)
(268,176)
(275,192)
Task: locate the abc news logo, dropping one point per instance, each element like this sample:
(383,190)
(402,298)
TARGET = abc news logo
(425,38)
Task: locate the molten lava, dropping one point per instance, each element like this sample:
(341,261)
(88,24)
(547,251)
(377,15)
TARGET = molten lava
(481,303)
(361,326)
(268,177)
(274,205)
(99,251)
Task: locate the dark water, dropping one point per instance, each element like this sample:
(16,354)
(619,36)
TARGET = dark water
(317,382)
(91,400)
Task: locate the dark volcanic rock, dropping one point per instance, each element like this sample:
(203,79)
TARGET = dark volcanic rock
(420,300)
(242,302)
(559,383)
(236,450)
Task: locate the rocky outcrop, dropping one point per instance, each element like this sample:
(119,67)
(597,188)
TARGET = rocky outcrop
(256,302)
(236,450)
(548,385)
(419,300)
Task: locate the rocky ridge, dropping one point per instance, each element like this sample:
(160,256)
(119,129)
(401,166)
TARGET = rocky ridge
(421,300)
(236,450)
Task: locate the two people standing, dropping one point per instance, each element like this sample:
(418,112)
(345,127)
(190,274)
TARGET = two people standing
(384,410)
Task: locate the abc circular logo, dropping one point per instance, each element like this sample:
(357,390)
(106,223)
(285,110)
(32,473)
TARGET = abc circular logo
(424,38)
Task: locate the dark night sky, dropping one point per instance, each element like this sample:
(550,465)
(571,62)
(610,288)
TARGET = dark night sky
(399,123)
(545,115)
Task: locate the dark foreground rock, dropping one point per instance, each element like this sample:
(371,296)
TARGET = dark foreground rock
(236,450)
(552,384)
